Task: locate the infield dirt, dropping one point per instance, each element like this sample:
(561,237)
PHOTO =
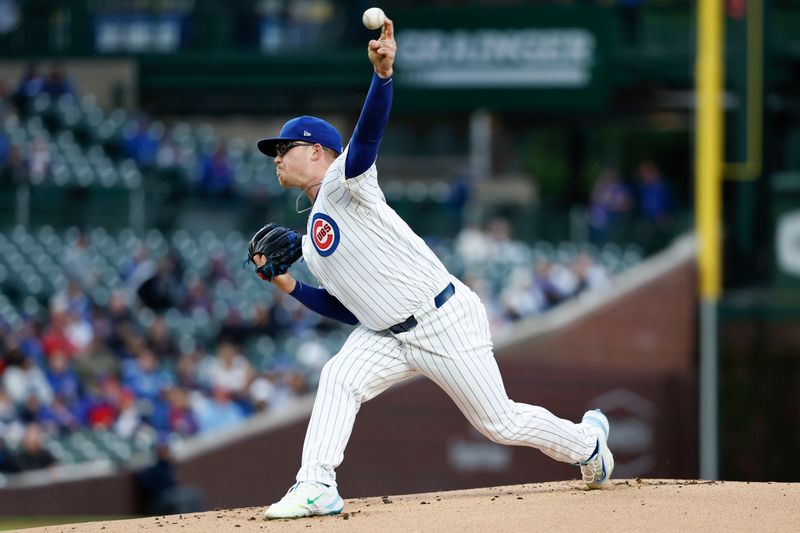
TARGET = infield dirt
(626,505)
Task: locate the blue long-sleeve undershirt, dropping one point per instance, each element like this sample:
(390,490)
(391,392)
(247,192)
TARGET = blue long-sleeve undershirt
(322,302)
(367,135)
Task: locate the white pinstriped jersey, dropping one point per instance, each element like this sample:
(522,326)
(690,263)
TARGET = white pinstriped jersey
(365,255)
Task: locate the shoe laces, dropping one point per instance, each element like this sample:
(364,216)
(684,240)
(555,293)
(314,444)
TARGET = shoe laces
(306,487)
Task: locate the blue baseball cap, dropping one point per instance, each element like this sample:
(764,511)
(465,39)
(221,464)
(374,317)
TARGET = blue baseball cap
(305,128)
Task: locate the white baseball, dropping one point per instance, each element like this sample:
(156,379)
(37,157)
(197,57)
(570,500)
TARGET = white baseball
(373,18)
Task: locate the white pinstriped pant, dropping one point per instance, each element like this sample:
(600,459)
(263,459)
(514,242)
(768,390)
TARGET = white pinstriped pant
(451,346)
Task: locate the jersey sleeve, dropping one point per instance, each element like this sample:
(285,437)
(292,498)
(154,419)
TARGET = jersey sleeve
(363,187)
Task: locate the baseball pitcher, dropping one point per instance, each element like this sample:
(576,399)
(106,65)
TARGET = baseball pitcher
(412,316)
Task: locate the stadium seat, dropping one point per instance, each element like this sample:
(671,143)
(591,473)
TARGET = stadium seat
(41,104)
(59,451)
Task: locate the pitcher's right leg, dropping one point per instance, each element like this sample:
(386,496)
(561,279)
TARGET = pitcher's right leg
(369,363)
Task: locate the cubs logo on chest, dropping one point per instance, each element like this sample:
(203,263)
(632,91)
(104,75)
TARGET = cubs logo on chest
(324,234)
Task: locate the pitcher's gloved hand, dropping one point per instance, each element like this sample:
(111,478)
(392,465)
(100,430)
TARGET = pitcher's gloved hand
(280,246)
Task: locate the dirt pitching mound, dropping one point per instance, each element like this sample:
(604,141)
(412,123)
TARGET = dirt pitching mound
(626,505)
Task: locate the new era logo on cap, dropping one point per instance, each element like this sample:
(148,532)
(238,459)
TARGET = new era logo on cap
(305,128)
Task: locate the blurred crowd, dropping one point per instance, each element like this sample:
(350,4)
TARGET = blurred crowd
(31,161)
(87,365)
(515,283)
(641,209)
(207,171)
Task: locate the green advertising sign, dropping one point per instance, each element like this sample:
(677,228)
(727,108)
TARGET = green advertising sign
(535,58)
(500,59)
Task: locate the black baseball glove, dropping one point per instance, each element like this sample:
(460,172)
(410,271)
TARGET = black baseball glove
(281,246)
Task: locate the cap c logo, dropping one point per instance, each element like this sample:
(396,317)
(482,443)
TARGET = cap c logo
(324,234)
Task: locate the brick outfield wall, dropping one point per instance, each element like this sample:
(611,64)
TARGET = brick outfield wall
(633,357)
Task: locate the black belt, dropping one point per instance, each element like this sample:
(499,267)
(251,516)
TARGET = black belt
(409,323)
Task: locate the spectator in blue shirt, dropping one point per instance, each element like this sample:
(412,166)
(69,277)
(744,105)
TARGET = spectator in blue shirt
(59,418)
(29,87)
(655,204)
(32,410)
(62,378)
(143,376)
(219,412)
(139,143)
(57,83)
(29,340)
(655,207)
(610,204)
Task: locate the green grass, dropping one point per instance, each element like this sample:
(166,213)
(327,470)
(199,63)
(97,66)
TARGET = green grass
(21,522)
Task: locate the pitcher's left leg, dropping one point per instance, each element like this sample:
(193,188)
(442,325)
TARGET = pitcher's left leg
(453,348)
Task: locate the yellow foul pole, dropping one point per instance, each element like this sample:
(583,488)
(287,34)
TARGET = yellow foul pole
(708,174)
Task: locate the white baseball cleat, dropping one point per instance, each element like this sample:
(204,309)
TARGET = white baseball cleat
(596,471)
(306,498)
